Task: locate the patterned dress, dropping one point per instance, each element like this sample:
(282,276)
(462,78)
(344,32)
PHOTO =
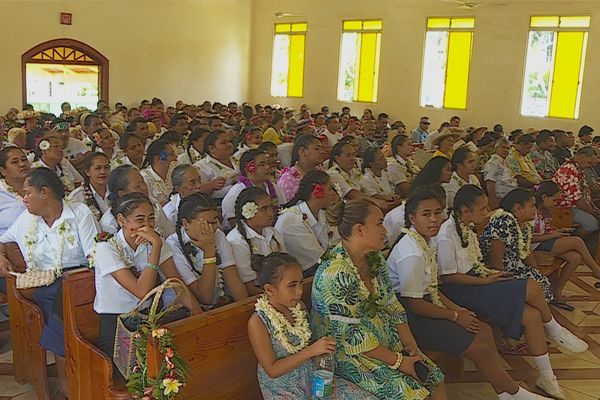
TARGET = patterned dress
(296,384)
(360,321)
(505,229)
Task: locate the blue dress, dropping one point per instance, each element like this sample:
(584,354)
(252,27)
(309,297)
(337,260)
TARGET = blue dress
(296,384)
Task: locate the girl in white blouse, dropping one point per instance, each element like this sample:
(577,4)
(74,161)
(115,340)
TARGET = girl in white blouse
(464,165)
(14,167)
(49,154)
(128,264)
(376,176)
(303,223)
(253,234)
(105,142)
(132,150)
(195,148)
(219,164)
(186,182)
(401,168)
(202,254)
(94,190)
(160,160)
(124,180)
(437,322)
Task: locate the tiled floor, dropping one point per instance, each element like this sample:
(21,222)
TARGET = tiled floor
(579,374)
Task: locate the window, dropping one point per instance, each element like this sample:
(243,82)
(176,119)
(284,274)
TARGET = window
(554,67)
(287,73)
(445,79)
(359,61)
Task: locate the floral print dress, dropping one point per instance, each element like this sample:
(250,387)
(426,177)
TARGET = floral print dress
(360,321)
(505,229)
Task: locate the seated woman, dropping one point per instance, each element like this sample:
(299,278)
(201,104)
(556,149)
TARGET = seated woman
(52,236)
(303,223)
(517,306)
(158,165)
(124,180)
(128,265)
(285,370)
(255,171)
(194,151)
(353,301)
(437,322)
(251,138)
(273,151)
(275,133)
(464,165)
(445,143)
(497,176)
(377,177)
(94,190)
(202,254)
(253,233)
(49,154)
(401,168)
(306,156)
(14,167)
(105,142)
(219,164)
(186,181)
(559,241)
(132,151)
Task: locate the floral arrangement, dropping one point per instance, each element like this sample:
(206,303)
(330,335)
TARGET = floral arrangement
(172,373)
(31,241)
(283,328)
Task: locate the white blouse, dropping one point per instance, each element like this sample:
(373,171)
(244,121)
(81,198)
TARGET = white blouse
(350,181)
(77,196)
(452,258)
(456,182)
(11,206)
(212,169)
(111,297)
(305,236)
(191,274)
(264,243)
(397,169)
(81,229)
(381,185)
(228,205)
(393,222)
(159,190)
(66,171)
(164,227)
(172,208)
(74,148)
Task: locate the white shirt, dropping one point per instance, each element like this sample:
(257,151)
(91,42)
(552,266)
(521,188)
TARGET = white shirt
(81,229)
(332,138)
(122,159)
(191,274)
(212,169)
(108,223)
(496,170)
(77,196)
(228,205)
(111,297)
(456,182)
(74,148)
(409,273)
(172,208)
(349,181)
(159,190)
(452,258)
(184,158)
(305,237)
(381,185)
(268,241)
(397,170)
(11,207)
(393,222)
(66,171)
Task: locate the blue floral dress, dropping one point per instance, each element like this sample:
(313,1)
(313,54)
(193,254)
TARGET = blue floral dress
(296,384)
(360,321)
(505,229)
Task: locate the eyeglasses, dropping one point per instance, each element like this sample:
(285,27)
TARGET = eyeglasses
(426,123)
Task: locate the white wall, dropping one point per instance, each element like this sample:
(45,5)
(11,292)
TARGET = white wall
(497,64)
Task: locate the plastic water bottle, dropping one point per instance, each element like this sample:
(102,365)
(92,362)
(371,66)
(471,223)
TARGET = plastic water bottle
(322,380)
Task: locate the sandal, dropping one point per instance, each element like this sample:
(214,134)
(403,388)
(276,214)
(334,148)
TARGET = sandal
(563,305)
(520,349)
(597,285)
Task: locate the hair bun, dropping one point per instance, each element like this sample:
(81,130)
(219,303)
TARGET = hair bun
(335,214)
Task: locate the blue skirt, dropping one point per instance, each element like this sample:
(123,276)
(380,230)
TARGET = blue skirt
(53,335)
(502,302)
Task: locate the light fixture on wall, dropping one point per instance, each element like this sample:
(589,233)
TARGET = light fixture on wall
(281,14)
(470,5)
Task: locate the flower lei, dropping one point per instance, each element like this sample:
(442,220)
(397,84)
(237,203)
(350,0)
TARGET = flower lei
(112,239)
(379,183)
(91,202)
(282,327)
(357,178)
(173,368)
(191,250)
(69,186)
(229,172)
(162,186)
(431,260)
(523,238)
(474,251)
(4,185)
(30,243)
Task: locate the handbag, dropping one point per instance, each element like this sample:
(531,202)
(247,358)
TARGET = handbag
(34,279)
(128,324)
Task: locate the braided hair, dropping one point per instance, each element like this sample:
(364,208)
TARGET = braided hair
(87,186)
(305,188)
(302,141)
(270,268)
(466,196)
(197,133)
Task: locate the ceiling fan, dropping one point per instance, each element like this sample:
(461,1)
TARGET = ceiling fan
(280,14)
(470,5)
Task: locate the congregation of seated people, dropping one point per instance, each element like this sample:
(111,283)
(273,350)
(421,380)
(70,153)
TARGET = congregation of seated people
(417,240)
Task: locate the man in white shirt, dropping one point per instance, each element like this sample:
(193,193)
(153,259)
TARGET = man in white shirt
(333,132)
(428,144)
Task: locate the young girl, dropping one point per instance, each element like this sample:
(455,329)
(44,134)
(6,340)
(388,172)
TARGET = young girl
(186,182)
(280,335)
(343,171)
(195,146)
(464,164)
(255,171)
(105,142)
(219,164)
(158,165)
(253,233)
(401,168)
(203,255)
(517,306)
(377,177)
(94,190)
(306,156)
(128,264)
(49,154)
(251,139)
(132,150)
(437,322)
(303,222)
(558,241)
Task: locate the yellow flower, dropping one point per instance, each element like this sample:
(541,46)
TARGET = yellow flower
(171,386)
(158,333)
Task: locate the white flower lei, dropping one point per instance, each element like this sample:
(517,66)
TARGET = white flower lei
(4,185)
(229,172)
(120,250)
(69,186)
(474,251)
(431,260)
(30,243)
(162,186)
(357,178)
(220,284)
(524,239)
(282,327)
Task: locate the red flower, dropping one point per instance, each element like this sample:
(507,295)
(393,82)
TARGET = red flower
(250,167)
(304,217)
(169,353)
(318,190)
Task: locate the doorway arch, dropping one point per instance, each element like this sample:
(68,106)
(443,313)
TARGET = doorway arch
(67,52)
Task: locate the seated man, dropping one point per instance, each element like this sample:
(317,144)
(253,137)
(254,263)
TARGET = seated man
(541,155)
(520,164)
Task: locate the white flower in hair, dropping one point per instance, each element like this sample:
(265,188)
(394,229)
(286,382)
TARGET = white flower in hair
(44,145)
(249,210)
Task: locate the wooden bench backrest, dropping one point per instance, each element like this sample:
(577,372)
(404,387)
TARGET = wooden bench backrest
(82,291)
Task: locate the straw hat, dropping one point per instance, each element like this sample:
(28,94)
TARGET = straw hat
(444,134)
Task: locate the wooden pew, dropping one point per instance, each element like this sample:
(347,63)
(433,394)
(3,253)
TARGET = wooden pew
(89,370)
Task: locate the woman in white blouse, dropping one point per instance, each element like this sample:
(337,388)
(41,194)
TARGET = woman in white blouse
(94,190)
(219,164)
(52,236)
(14,167)
(128,264)
(132,151)
(202,254)
(105,142)
(124,180)
(253,234)
(160,160)
(438,323)
(49,154)
(186,182)
(464,165)
(303,223)
(376,176)
(401,168)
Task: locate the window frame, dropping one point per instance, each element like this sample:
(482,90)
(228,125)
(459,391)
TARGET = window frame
(290,33)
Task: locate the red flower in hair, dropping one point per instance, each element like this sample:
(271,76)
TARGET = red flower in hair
(250,167)
(318,190)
